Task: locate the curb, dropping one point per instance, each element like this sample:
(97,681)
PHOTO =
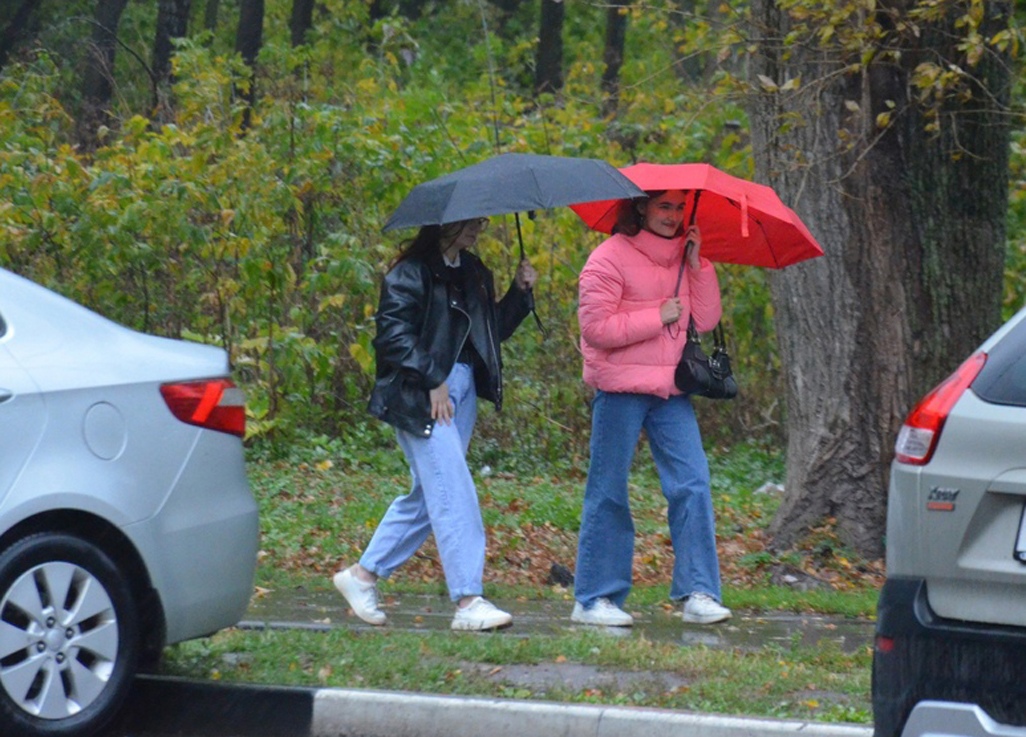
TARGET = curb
(178,706)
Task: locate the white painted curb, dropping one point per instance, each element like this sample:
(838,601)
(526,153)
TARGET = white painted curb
(359,713)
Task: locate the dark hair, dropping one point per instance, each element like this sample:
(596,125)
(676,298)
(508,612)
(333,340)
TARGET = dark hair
(428,239)
(629,220)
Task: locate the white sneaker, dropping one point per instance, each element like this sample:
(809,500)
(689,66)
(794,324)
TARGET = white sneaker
(362,597)
(603,613)
(479,615)
(703,609)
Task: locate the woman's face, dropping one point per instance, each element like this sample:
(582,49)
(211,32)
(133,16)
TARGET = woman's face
(457,236)
(664,215)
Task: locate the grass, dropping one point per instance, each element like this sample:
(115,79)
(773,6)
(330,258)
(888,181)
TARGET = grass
(319,509)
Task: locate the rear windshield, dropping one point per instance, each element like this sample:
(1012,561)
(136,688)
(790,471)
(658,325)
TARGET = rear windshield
(1003,378)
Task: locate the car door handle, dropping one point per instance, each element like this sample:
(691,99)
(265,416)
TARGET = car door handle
(5,394)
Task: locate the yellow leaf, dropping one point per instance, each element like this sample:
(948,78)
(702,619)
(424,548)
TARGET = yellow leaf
(361,355)
(335,300)
(768,84)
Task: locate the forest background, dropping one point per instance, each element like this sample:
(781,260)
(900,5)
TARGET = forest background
(236,197)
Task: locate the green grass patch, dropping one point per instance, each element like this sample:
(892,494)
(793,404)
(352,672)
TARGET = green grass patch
(321,502)
(821,683)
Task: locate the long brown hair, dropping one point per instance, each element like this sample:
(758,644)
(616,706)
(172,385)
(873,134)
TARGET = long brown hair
(427,240)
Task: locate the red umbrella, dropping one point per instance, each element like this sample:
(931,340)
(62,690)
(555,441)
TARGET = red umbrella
(741,222)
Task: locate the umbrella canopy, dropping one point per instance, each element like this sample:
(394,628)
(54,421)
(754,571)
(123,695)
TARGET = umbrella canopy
(510,183)
(741,222)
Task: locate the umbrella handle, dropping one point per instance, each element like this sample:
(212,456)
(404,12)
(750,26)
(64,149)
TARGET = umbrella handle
(530,292)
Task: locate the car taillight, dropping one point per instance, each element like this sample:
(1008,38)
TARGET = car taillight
(216,404)
(922,428)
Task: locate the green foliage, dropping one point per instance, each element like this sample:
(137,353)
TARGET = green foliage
(266,239)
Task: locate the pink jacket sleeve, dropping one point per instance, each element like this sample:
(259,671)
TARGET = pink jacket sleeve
(604,324)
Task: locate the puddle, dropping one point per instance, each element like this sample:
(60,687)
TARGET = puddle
(415,612)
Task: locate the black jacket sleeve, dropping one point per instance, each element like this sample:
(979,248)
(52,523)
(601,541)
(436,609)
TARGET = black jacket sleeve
(402,313)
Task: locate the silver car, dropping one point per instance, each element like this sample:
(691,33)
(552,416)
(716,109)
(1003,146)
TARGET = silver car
(951,624)
(126,520)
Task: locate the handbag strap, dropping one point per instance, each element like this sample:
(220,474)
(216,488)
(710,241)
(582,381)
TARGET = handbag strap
(684,253)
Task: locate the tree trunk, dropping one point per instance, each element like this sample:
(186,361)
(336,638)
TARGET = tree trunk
(548,73)
(172,23)
(16,29)
(98,76)
(301,21)
(689,64)
(210,14)
(913,226)
(248,40)
(616,38)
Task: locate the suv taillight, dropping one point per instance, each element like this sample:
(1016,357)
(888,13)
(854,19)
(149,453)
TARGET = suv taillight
(922,428)
(215,404)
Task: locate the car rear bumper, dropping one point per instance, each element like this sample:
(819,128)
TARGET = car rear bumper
(922,657)
(949,719)
(201,545)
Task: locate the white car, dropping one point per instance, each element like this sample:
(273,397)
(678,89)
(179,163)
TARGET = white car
(950,654)
(126,519)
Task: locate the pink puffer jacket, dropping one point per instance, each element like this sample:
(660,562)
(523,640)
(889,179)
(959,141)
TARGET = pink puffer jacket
(626,347)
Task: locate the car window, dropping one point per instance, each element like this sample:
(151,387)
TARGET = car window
(1003,378)
(3,327)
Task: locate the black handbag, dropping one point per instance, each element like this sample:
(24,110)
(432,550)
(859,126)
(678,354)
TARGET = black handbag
(705,376)
(698,374)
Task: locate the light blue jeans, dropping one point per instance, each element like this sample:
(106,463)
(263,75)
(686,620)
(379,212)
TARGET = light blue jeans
(443,500)
(605,547)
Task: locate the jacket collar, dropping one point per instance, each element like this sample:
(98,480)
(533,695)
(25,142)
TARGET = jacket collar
(661,251)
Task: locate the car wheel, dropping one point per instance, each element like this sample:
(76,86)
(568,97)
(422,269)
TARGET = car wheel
(69,637)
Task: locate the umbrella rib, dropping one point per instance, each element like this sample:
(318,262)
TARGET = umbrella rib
(769,244)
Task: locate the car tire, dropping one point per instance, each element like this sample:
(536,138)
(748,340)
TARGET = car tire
(69,637)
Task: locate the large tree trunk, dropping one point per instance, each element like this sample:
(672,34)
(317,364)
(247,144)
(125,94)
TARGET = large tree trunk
(16,29)
(913,226)
(548,72)
(616,39)
(98,76)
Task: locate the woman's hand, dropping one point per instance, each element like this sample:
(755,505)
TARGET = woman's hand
(670,311)
(692,246)
(442,408)
(526,276)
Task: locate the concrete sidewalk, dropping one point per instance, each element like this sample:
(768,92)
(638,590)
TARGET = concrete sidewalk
(325,609)
(168,706)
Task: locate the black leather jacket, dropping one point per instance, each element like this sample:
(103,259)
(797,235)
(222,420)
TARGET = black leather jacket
(422,323)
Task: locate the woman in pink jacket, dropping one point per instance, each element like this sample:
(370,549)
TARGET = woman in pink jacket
(633,330)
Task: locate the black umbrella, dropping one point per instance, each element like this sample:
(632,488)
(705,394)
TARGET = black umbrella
(510,183)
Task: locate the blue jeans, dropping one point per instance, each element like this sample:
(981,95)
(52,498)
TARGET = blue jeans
(605,548)
(443,500)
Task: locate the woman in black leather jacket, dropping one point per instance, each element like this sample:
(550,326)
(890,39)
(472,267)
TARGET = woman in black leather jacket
(439,329)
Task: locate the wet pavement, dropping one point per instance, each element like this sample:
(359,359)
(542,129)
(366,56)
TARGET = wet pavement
(323,610)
